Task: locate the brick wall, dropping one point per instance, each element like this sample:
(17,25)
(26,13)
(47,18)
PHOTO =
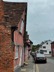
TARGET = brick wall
(6,50)
(52,48)
(1,12)
(9,16)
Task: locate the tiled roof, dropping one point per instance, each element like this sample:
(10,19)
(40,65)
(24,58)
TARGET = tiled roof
(52,42)
(45,42)
(13,12)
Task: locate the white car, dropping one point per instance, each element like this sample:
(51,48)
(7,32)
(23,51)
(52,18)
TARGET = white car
(40,57)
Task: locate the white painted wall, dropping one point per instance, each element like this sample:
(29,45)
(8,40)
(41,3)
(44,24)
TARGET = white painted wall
(48,48)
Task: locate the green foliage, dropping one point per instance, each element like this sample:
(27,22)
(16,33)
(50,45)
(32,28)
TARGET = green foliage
(35,47)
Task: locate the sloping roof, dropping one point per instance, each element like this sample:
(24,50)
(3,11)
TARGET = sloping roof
(45,42)
(31,42)
(13,12)
(52,42)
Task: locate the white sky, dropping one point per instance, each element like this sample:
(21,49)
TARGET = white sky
(40,19)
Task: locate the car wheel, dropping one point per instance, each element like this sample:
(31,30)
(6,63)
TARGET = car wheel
(45,61)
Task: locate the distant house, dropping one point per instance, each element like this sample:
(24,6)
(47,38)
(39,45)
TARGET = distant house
(29,43)
(52,48)
(46,47)
(12,35)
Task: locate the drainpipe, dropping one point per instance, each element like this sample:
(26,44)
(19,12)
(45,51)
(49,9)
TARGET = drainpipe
(25,31)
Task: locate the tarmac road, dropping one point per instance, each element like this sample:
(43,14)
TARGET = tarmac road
(38,67)
(45,67)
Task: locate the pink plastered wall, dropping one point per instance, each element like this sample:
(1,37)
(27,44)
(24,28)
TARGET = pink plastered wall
(18,39)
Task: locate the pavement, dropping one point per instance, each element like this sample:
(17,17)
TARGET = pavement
(51,57)
(30,67)
(18,69)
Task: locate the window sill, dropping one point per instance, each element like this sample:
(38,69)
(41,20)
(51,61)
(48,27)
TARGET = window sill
(16,58)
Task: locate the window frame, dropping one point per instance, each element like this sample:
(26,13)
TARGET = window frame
(16,52)
(21,27)
(44,47)
(50,52)
(45,50)
(47,43)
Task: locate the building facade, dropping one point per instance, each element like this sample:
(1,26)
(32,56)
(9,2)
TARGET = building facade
(46,47)
(52,48)
(28,48)
(12,34)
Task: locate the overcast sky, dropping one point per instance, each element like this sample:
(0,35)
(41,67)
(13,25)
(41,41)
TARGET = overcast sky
(40,19)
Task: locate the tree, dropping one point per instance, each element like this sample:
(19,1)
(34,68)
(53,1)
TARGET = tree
(35,47)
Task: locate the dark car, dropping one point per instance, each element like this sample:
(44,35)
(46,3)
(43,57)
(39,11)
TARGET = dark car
(33,54)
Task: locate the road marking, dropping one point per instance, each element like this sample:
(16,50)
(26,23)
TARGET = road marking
(37,68)
(34,68)
(23,70)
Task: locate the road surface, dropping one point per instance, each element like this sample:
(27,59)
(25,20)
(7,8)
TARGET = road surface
(39,67)
(47,67)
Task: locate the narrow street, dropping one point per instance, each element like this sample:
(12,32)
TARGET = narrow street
(47,67)
(39,67)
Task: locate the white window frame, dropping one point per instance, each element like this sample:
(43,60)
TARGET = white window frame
(16,52)
(44,47)
(22,25)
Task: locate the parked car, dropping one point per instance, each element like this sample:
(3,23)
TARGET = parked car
(33,54)
(40,57)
